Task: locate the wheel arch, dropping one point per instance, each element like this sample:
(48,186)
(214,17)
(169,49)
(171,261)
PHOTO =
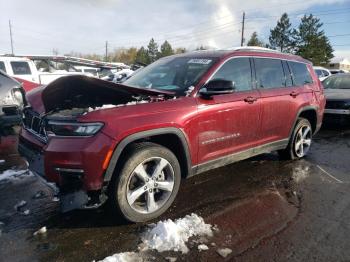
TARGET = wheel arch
(162,136)
(308,112)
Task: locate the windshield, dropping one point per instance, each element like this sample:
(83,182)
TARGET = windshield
(175,74)
(337,82)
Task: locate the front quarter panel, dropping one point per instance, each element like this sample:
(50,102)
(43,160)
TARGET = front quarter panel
(127,120)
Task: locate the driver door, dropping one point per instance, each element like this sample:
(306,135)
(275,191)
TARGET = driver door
(229,123)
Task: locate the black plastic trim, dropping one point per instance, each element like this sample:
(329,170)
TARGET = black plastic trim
(149,133)
(235,157)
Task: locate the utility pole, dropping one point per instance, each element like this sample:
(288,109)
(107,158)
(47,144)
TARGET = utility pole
(242,37)
(106,57)
(11,37)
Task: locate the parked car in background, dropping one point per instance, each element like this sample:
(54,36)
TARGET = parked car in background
(12,102)
(185,114)
(92,71)
(322,72)
(337,91)
(338,71)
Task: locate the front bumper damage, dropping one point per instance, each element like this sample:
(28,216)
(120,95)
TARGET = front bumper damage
(70,188)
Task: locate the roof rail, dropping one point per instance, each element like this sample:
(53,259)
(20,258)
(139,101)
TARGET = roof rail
(253,48)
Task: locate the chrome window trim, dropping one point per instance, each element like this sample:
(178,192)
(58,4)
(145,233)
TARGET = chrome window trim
(235,57)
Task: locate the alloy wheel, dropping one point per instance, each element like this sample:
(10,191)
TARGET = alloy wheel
(150,185)
(303,141)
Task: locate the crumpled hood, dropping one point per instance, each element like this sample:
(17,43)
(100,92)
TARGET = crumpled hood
(82,91)
(337,94)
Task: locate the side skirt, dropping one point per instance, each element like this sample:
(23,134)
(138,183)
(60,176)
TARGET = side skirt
(226,160)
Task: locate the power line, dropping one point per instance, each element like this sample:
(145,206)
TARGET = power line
(338,35)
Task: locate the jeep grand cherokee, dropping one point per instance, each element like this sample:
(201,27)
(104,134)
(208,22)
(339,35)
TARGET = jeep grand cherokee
(132,143)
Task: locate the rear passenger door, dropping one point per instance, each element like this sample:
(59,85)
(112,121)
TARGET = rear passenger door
(277,93)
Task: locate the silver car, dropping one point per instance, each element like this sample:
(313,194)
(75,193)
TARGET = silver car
(12,101)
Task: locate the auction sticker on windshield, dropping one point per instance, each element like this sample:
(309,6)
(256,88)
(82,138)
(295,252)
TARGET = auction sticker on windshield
(199,61)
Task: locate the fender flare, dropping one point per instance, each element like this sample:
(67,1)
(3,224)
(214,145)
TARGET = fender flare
(143,134)
(303,109)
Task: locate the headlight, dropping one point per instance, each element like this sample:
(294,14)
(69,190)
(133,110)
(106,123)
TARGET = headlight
(17,96)
(73,129)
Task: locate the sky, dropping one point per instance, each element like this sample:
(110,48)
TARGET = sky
(84,26)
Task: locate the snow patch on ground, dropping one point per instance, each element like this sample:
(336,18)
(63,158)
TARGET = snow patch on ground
(124,257)
(224,252)
(13,174)
(171,235)
(168,235)
(202,247)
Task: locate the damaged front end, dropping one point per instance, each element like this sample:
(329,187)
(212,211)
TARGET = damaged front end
(68,151)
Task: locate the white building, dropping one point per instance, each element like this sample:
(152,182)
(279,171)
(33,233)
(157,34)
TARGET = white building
(339,63)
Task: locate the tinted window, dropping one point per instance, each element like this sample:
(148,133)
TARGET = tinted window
(238,71)
(325,73)
(337,82)
(301,75)
(319,72)
(269,73)
(20,68)
(2,66)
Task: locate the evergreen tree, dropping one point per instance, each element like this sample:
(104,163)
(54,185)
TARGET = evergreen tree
(142,56)
(166,49)
(180,50)
(281,37)
(311,41)
(201,48)
(255,41)
(152,50)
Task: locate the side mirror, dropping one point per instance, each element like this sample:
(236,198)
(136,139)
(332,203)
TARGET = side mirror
(217,87)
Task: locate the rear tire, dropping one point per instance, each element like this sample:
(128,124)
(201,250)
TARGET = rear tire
(300,141)
(147,184)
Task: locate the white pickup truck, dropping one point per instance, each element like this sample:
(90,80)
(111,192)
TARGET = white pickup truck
(25,71)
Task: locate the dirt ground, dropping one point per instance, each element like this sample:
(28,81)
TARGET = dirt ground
(265,209)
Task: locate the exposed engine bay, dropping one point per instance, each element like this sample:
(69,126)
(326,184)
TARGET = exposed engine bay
(67,98)
(81,92)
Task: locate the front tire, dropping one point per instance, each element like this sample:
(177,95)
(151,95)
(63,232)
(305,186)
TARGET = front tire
(300,142)
(147,183)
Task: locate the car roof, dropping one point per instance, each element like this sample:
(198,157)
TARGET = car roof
(13,58)
(340,75)
(243,51)
(320,67)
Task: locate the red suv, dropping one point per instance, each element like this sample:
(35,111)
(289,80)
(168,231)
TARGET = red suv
(132,143)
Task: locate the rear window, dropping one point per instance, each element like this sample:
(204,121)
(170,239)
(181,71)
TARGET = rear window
(20,68)
(269,73)
(325,73)
(301,75)
(319,72)
(337,82)
(2,66)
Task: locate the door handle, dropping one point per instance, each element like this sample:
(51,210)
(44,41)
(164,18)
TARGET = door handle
(250,99)
(294,94)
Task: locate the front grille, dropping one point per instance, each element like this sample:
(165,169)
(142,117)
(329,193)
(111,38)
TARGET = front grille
(34,124)
(338,104)
(11,110)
